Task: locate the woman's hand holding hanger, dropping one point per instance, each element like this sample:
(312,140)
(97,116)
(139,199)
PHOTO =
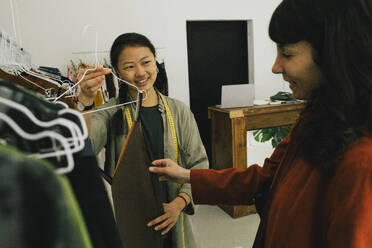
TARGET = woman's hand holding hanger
(91,83)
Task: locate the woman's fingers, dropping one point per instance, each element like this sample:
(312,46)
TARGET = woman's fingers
(157,170)
(165,222)
(91,73)
(157,220)
(164,163)
(162,225)
(94,84)
(168,229)
(166,225)
(91,84)
(94,74)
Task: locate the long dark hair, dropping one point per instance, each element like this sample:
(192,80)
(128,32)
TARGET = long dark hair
(341,34)
(135,40)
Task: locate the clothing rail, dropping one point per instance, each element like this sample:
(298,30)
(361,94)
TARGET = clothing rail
(11,51)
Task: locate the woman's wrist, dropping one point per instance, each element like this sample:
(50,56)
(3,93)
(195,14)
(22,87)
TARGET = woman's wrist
(186,175)
(86,101)
(184,199)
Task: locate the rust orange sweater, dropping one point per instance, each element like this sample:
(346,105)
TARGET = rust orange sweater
(305,208)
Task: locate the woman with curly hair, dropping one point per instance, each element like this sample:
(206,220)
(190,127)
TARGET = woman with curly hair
(319,178)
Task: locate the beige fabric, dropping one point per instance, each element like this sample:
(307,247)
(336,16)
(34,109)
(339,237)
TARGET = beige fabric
(109,129)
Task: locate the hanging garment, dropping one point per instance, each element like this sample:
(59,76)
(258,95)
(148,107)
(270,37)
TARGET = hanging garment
(34,115)
(37,206)
(85,180)
(92,197)
(136,194)
(110,85)
(36,84)
(47,87)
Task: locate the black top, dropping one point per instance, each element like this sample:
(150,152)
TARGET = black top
(152,124)
(154,131)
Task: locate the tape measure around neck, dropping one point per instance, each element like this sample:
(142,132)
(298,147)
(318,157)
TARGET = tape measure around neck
(172,127)
(170,120)
(128,117)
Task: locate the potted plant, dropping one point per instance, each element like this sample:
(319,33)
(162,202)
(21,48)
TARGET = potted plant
(276,134)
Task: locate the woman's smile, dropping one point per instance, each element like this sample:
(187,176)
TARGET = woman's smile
(142,82)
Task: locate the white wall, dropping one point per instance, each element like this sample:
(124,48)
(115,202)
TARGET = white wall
(51,30)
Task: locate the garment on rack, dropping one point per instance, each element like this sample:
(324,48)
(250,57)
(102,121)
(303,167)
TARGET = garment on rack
(162,77)
(110,85)
(92,197)
(38,208)
(31,82)
(50,70)
(41,109)
(85,180)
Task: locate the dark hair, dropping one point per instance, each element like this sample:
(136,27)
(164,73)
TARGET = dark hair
(341,34)
(136,40)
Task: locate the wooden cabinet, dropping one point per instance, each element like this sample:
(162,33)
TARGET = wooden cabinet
(229,136)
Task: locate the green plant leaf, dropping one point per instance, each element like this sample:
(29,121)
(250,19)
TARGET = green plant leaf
(266,136)
(257,134)
(274,143)
(276,134)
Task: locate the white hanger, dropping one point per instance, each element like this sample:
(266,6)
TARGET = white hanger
(93,69)
(90,69)
(11,63)
(47,92)
(121,104)
(79,116)
(44,134)
(77,139)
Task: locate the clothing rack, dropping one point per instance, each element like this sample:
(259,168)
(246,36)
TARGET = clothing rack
(10,51)
(105,51)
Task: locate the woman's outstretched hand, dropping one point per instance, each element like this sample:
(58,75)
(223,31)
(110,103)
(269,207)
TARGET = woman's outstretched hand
(169,170)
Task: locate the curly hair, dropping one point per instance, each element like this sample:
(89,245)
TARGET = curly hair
(340,33)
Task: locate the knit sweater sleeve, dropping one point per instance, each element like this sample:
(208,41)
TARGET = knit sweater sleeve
(350,196)
(235,186)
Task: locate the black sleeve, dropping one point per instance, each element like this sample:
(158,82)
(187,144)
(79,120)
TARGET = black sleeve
(92,197)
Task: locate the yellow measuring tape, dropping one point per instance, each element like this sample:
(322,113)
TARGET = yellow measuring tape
(175,147)
(128,117)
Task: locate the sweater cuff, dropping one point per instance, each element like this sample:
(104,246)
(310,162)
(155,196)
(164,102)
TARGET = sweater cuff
(196,181)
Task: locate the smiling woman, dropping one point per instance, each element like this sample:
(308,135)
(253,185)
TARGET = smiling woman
(296,63)
(315,189)
(134,59)
(137,65)
(169,129)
